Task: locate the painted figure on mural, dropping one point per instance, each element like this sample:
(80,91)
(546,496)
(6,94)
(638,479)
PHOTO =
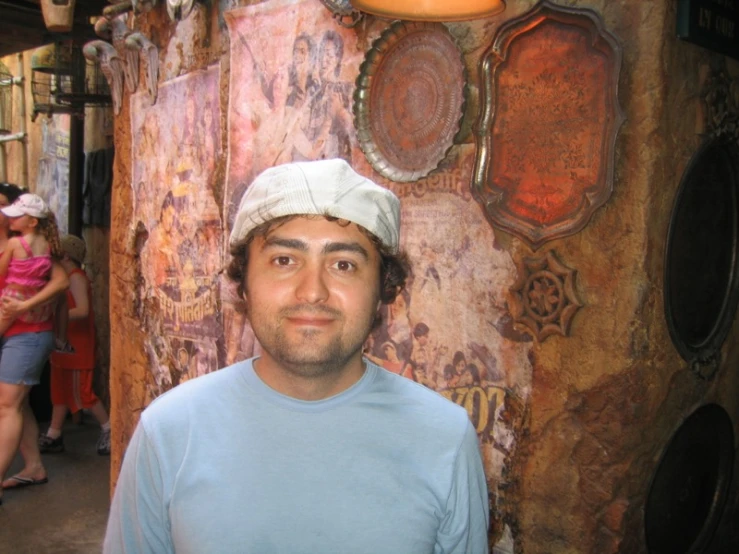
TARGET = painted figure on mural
(490,372)
(302,84)
(208,137)
(426,353)
(330,115)
(203,361)
(430,257)
(313,110)
(312,285)
(162,249)
(389,359)
(191,143)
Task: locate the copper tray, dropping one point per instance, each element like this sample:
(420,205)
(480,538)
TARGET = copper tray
(409,99)
(548,120)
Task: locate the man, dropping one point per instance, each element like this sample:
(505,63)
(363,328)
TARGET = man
(308,448)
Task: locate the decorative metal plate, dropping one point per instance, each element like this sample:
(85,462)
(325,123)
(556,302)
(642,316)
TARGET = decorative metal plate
(701,274)
(549,116)
(409,99)
(691,484)
(344,13)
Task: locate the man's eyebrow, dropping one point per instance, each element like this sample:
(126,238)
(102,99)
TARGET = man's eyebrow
(295,244)
(355,247)
(330,248)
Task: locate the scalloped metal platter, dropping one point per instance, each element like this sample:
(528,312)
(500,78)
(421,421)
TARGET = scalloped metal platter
(409,99)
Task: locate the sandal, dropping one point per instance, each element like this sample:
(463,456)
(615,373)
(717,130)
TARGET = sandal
(63,347)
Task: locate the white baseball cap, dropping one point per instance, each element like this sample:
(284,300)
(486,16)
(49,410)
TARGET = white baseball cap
(325,187)
(27,204)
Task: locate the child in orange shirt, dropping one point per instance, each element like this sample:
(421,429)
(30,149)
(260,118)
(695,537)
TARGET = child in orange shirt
(72,373)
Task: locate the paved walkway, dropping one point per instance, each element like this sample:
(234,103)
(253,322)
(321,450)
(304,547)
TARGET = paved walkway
(68,514)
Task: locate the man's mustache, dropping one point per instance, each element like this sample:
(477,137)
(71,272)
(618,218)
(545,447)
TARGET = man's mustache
(309,309)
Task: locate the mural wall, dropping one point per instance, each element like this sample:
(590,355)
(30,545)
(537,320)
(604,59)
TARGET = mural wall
(176,145)
(571,427)
(291,101)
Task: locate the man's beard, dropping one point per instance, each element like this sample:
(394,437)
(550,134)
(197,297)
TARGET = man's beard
(304,356)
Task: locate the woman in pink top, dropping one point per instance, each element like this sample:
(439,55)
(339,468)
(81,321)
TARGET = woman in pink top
(26,262)
(24,349)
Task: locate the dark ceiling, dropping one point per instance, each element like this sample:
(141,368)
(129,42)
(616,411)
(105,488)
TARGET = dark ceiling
(22,25)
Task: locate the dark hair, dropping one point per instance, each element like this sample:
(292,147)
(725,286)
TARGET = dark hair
(448,372)
(458,357)
(304,37)
(167,203)
(11,191)
(293,81)
(332,36)
(420,330)
(393,267)
(472,368)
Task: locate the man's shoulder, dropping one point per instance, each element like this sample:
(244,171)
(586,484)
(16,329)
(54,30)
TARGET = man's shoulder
(199,392)
(420,400)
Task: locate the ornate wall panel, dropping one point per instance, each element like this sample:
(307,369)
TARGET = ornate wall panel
(548,123)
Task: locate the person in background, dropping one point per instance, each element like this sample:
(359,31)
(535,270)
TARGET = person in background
(24,349)
(26,262)
(309,448)
(72,374)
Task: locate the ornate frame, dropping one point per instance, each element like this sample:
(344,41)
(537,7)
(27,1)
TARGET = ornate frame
(548,121)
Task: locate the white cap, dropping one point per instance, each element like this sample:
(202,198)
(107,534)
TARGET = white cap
(325,187)
(27,204)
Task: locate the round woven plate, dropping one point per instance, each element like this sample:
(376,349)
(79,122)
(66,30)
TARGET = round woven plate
(409,99)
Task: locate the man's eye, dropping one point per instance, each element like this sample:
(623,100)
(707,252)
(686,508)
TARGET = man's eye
(345,265)
(282,260)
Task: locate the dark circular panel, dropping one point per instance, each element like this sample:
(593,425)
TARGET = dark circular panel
(701,255)
(409,100)
(690,486)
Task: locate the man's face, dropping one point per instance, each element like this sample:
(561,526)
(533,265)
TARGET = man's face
(300,52)
(312,295)
(168,218)
(329,59)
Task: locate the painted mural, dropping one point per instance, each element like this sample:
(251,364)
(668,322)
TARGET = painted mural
(450,329)
(52,183)
(290,99)
(176,143)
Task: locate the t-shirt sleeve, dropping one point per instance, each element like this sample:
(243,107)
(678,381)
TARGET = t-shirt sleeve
(464,529)
(138,521)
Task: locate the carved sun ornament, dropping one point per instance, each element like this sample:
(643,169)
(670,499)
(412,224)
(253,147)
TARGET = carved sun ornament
(543,300)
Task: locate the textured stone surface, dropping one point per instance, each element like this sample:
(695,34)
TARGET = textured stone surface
(603,403)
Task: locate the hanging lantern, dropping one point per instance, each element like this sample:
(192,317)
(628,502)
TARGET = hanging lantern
(51,74)
(58,15)
(6,99)
(63,81)
(431,10)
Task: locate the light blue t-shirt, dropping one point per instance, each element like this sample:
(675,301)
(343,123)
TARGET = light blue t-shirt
(224,464)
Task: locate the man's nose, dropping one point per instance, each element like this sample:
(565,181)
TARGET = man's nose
(312,287)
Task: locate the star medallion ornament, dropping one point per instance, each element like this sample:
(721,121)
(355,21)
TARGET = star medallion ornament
(543,301)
